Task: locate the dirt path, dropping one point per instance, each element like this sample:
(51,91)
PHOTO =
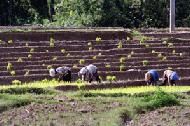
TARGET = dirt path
(167,116)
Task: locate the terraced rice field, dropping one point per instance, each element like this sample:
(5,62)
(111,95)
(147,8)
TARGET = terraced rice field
(25,56)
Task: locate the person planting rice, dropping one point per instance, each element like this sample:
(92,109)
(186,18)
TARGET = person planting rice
(88,72)
(170,76)
(64,73)
(151,77)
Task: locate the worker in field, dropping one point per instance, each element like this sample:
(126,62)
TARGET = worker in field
(170,76)
(152,77)
(64,73)
(88,73)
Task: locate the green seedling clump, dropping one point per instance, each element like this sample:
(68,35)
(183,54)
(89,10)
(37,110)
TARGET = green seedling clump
(81,61)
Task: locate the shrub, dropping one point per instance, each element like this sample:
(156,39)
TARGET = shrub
(145,62)
(164,58)
(81,61)
(68,54)
(160,55)
(16,82)
(161,99)
(47,51)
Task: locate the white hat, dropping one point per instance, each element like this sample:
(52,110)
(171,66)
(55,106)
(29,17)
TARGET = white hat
(52,72)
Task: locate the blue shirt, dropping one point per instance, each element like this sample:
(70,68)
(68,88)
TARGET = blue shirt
(154,75)
(174,76)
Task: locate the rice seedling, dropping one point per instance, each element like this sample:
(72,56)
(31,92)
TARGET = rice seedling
(13,73)
(30,56)
(20,59)
(9,66)
(63,50)
(145,62)
(52,42)
(16,82)
(81,61)
(120,45)
(10,41)
(122,59)
(98,40)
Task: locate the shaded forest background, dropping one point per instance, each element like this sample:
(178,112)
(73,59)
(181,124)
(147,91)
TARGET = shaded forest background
(93,13)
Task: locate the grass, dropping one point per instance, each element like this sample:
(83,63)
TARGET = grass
(142,89)
(9,101)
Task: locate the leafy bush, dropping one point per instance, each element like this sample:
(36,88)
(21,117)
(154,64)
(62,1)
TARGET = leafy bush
(31,50)
(161,99)
(107,65)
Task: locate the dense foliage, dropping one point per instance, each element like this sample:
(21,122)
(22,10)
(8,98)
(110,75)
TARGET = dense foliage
(103,13)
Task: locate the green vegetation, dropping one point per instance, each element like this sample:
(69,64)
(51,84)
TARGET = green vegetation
(63,50)
(107,65)
(81,61)
(31,50)
(49,67)
(20,59)
(16,82)
(54,58)
(98,40)
(10,41)
(13,73)
(121,67)
(120,45)
(122,59)
(111,78)
(30,56)
(52,42)
(145,62)
(9,66)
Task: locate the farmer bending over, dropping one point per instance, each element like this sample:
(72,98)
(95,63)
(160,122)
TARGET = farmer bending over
(170,77)
(151,77)
(64,73)
(88,72)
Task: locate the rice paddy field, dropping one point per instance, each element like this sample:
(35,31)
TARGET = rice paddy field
(29,96)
